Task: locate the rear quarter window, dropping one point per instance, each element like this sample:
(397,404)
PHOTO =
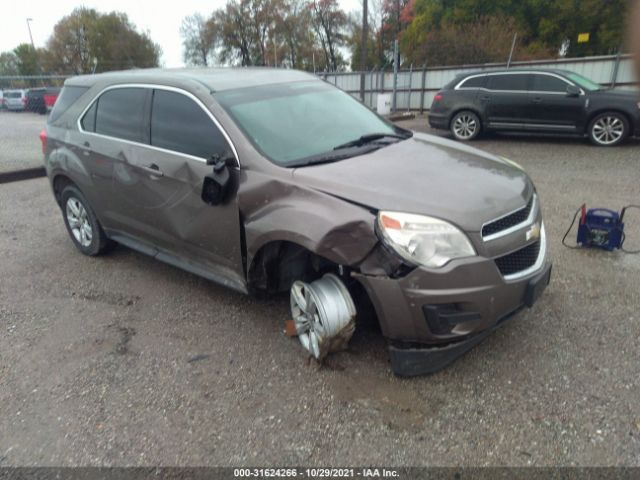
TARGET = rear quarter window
(67,97)
(474,82)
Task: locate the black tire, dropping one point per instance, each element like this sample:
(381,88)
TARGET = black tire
(78,215)
(608,129)
(465,126)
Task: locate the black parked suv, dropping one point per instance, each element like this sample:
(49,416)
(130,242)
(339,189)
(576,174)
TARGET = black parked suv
(35,100)
(555,101)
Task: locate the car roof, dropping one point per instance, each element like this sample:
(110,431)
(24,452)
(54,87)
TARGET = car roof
(557,71)
(216,79)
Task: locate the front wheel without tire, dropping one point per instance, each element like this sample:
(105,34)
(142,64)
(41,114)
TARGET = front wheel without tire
(608,129)
(465,126)
(83,227)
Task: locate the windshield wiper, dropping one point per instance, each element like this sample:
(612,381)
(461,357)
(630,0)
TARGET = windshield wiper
(334,156)
(370,137)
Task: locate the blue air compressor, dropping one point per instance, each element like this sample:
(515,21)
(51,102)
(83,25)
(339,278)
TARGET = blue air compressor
(600,228)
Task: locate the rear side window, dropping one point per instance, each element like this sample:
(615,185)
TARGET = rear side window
(67,97)
(548,83)
(181,125)
(88,122)
(121,114)
(511,82)
(474,82)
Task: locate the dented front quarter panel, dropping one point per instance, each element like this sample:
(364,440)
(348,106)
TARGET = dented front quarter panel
(276,208)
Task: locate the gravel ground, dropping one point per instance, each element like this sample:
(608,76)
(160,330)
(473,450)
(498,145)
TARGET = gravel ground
(19,142)
(122,360)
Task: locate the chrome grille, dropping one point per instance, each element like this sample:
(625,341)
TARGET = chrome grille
(508,221)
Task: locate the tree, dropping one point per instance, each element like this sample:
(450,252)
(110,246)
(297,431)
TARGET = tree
(8,64)
(111,40)
(27,60)
(293,25)
(329,22)
(200,39)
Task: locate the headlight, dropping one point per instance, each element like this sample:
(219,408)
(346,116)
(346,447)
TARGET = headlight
(423,240)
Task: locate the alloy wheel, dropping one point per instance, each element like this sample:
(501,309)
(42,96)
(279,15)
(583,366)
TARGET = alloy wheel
(608,130)
(321,311)
(465,126)
(78,221)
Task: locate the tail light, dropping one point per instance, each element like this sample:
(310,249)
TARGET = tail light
(438,97)
(24,100)
(43,139)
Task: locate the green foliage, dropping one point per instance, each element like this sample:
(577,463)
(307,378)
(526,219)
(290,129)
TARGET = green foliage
(26,59)
(545,29)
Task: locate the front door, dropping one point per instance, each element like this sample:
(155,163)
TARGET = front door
(157,179)
(551,108)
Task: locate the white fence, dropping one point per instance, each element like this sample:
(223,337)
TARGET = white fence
(415,89)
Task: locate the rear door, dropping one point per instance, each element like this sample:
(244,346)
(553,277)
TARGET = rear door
(506,100)
(550,106)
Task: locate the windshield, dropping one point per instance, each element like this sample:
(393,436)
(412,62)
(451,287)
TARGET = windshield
(293,121)
(584,82)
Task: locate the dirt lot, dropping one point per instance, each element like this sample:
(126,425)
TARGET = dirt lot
(19,143)
(122,360)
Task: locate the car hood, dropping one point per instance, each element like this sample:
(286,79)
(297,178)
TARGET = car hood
(427,175)
(617,94)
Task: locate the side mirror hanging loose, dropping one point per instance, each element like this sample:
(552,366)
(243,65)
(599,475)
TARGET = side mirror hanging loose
(216,185)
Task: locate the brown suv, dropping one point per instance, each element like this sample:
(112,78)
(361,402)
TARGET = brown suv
(273,180)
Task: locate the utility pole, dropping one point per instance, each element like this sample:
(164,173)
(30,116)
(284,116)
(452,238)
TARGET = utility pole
(33,46)
(30,36)
(513,47)
(363,46)
(275,53)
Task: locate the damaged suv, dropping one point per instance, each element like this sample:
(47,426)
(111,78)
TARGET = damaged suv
(274,181)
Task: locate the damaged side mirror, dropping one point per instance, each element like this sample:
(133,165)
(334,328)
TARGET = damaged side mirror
(217,184)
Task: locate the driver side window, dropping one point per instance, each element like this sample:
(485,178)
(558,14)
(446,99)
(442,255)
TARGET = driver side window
(179,124)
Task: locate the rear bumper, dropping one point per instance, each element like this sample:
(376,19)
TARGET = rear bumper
(438,120)
(412,361)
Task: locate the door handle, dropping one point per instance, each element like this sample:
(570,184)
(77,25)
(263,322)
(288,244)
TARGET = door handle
(536,100)
(485,98)
(153,169)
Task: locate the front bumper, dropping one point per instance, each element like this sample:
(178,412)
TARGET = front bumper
(409,362)
(473,295)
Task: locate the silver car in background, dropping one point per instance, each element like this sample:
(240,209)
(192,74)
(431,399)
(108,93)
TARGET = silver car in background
(15,100)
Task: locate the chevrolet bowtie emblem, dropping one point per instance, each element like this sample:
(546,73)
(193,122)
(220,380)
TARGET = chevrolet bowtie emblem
(533,232)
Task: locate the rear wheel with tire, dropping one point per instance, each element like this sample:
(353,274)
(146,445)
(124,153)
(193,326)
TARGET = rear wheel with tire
(466,126)
(83,226)
(608,129)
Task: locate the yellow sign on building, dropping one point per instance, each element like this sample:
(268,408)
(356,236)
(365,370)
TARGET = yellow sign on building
(583,37)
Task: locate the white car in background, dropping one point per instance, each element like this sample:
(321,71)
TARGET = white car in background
(15,100)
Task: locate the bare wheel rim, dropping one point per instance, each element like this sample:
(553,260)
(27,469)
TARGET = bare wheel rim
(608,130)
(78,221)
(320,311)
(465,126)
(304,307)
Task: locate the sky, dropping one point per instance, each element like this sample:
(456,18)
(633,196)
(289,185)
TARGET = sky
(161,19)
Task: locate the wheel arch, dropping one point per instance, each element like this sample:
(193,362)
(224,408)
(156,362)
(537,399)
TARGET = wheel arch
(278,263)
(602,110)
(59,182)
(467,108)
